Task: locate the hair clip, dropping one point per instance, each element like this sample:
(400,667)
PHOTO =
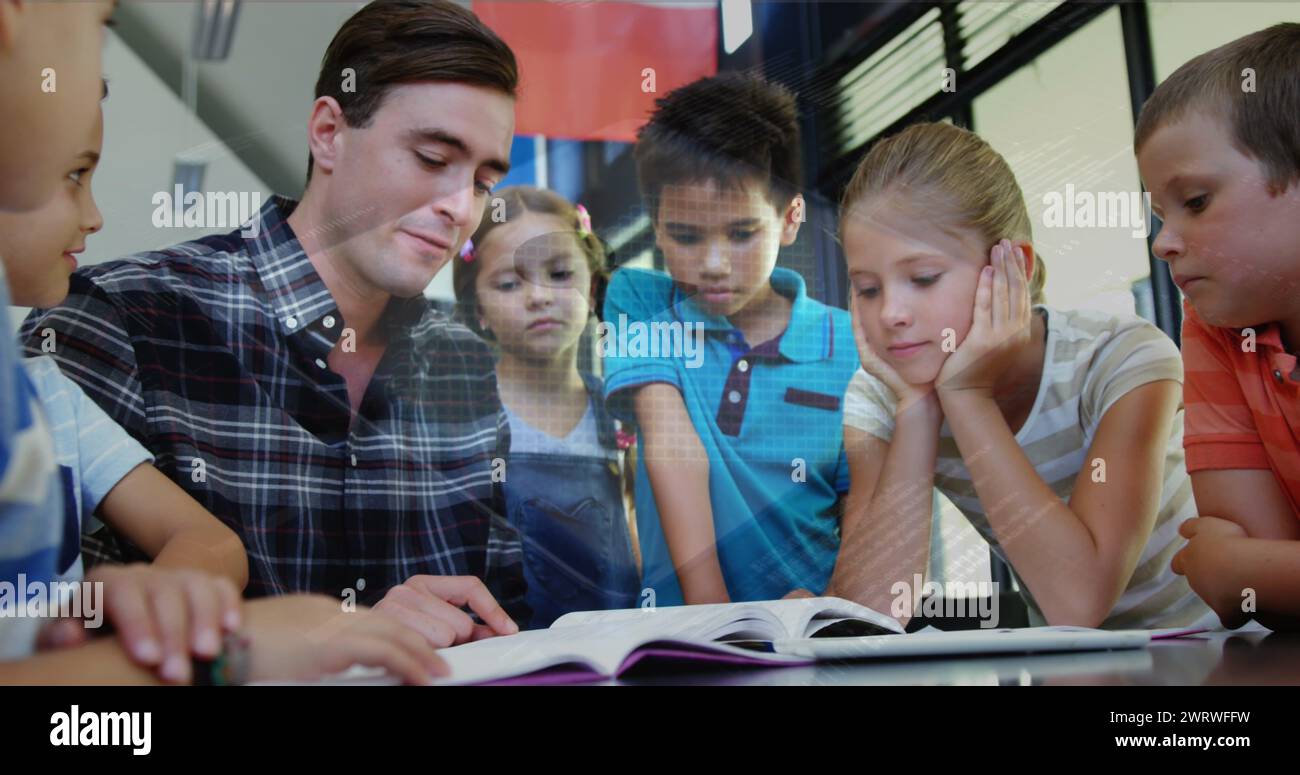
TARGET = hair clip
(584,222)
(624,437)
(467,251)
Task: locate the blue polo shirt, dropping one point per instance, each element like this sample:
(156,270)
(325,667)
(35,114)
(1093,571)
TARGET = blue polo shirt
(769,415)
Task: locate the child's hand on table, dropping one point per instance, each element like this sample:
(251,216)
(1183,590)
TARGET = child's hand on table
(1207,563)
(164,616)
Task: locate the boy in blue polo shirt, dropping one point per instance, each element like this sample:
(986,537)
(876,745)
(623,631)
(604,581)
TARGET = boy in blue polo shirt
(732,373)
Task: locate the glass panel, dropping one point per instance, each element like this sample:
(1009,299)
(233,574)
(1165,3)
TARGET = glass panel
(1065,125)
(1180,31)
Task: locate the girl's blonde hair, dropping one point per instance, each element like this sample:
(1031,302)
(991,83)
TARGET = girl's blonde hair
(956,177)
(517,201)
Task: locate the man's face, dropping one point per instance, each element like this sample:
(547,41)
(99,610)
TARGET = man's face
(1232,244)
(720,243)
(408,189)
(51,81)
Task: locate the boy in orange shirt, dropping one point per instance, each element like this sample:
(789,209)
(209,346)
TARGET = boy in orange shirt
(1218,146)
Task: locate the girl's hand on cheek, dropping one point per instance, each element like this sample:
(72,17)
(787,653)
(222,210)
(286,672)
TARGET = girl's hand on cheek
(908,394)
(1000,326)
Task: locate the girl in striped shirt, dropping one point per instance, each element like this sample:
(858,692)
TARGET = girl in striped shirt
(1057,433)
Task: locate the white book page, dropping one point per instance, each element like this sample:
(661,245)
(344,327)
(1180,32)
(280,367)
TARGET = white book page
(760,620)
(601,646)
(601,642)
(690,622)
(803,617)
(933,642)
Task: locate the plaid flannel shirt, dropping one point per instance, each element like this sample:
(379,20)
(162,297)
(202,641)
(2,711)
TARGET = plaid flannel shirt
(213,354)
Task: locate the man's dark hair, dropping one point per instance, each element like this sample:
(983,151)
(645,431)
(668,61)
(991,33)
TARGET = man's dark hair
(392,42)
(729,128)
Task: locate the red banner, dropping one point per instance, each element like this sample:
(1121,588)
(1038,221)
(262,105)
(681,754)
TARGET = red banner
(592,70)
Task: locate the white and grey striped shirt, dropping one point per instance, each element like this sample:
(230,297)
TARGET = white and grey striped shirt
(1092,360)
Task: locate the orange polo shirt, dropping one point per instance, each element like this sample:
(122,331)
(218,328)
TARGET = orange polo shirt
(1242,408)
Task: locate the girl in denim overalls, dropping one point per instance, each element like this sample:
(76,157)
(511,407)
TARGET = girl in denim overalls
(529,280)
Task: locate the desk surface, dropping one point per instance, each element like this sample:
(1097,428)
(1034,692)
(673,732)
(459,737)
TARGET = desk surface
(1220,658)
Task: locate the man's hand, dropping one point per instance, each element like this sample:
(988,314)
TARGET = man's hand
(431,605)
(309,637)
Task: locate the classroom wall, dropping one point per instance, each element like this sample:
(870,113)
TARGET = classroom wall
(145,127)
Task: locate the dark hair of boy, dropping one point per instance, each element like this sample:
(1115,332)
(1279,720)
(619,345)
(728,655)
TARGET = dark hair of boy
(731,128)
(1264,121)
(517,201)
(392,42)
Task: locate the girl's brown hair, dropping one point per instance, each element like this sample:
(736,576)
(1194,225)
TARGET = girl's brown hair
(955,172)
(505,206)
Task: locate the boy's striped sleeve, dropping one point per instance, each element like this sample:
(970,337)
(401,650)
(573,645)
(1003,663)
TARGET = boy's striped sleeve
(1219,430)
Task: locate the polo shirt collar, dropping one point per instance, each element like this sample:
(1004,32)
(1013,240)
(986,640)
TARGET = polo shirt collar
(806,338)
(1269,336)
(1268,342)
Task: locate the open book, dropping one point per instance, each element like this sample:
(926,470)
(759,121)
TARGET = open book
(593,645)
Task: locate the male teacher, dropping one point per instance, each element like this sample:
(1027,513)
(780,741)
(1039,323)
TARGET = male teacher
(292,377)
